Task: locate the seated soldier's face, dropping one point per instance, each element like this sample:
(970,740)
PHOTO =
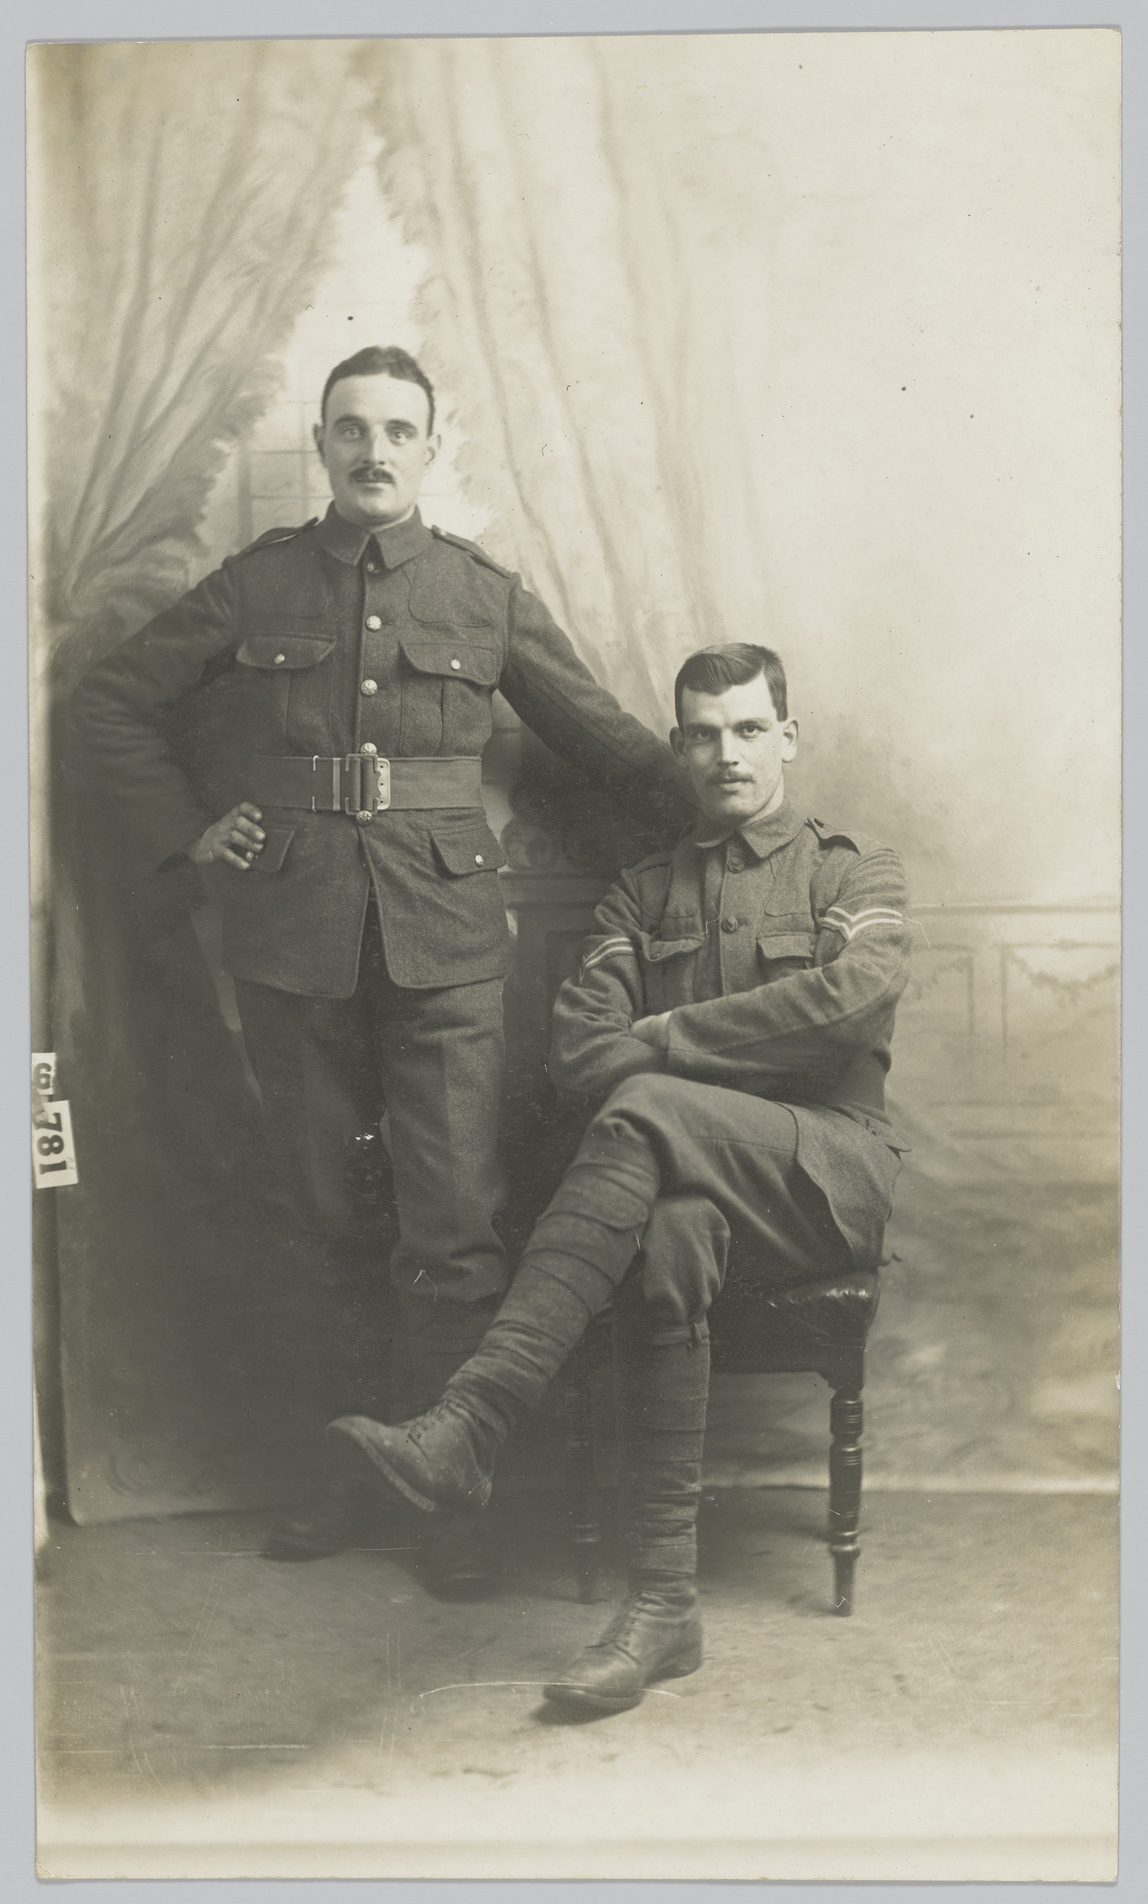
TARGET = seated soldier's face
(734,749)
(376,448)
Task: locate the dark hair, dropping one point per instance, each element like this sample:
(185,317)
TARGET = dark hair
(379,361)
(712,670)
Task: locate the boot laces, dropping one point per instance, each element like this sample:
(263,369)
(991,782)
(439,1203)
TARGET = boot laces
(637,1607)
(464,1439)
(438,1416)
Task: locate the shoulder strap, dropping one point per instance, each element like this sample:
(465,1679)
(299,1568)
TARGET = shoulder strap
(829,834)
(472,548)
(273,535)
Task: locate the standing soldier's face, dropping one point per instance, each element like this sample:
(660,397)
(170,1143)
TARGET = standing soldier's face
(374,445)
(735,748)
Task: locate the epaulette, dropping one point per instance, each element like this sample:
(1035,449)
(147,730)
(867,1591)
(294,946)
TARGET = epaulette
(472,548)
(836,833)
(273,535)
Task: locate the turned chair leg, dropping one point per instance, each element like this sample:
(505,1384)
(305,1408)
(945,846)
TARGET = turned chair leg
(845,1419)
(581,1479)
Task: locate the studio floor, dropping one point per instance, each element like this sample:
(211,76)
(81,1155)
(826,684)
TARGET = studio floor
(207,1713)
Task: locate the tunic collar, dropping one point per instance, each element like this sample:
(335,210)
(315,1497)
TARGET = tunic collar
(346,541)
(760,836)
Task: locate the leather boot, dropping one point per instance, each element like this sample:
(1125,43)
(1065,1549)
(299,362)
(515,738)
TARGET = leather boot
(340,1514)
(579,1252)
(661,1376)
(455,1558)
(443,1459)
(656,1634)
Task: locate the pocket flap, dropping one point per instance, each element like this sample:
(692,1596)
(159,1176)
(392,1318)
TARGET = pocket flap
(787,945)
(471,848)
(454,655)
(655,950)
(284,651)
(274,851)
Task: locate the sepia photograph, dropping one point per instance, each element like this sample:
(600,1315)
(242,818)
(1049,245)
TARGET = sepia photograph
(575,671)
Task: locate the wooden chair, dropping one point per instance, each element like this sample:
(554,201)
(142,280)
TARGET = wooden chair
(818,1326)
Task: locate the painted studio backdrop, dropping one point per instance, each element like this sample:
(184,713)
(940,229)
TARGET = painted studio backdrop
(804,339)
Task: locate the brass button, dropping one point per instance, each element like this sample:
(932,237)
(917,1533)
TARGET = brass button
(733,864)
(279,658)
(369,687)
(373,621)
(730,925)
(456,664)
(372,568)
(368,747)
(478,860)
(364,818)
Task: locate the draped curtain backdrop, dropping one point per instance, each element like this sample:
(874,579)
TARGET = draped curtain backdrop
(765,337)
(807,338)
(593,298)
(814,339)
(182,203)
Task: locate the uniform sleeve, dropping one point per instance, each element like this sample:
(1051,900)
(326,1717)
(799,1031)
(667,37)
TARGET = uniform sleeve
(591,1048)
(558,697)
(117,721)
(813,1022)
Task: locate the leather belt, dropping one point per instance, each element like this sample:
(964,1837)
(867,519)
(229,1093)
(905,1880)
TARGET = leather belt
(366,783)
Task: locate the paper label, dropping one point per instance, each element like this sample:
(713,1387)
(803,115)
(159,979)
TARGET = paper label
(53,1147)
(44,1073)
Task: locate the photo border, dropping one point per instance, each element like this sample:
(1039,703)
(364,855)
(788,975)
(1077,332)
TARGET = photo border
(64,20)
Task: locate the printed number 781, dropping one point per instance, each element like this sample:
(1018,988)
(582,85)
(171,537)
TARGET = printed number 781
(50,1146)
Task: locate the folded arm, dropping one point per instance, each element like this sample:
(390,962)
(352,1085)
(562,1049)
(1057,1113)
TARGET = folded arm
(807,1024)
(592,1045)
(812,1022)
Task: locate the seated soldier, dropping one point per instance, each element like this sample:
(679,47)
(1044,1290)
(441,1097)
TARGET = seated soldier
(733,1014)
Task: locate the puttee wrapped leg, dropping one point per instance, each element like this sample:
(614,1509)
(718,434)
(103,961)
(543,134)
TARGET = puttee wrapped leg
(578,1255)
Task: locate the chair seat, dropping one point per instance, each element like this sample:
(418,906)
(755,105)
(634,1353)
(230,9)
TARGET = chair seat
(770,1331)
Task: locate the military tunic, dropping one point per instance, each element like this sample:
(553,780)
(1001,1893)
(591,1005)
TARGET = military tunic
(779,951)
(316,643)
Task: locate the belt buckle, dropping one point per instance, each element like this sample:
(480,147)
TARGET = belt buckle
(370,782)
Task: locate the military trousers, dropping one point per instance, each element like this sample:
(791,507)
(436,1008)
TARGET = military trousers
(728,1183)
(433,1061)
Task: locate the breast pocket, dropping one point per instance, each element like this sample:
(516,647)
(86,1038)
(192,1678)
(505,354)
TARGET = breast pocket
(283,678)
(668,969)
(449,677)
(788,948)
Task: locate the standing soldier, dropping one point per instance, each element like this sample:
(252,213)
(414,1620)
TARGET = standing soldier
(350,666)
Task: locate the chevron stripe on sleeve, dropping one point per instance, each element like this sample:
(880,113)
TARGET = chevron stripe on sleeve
(849,924)
(603,949)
